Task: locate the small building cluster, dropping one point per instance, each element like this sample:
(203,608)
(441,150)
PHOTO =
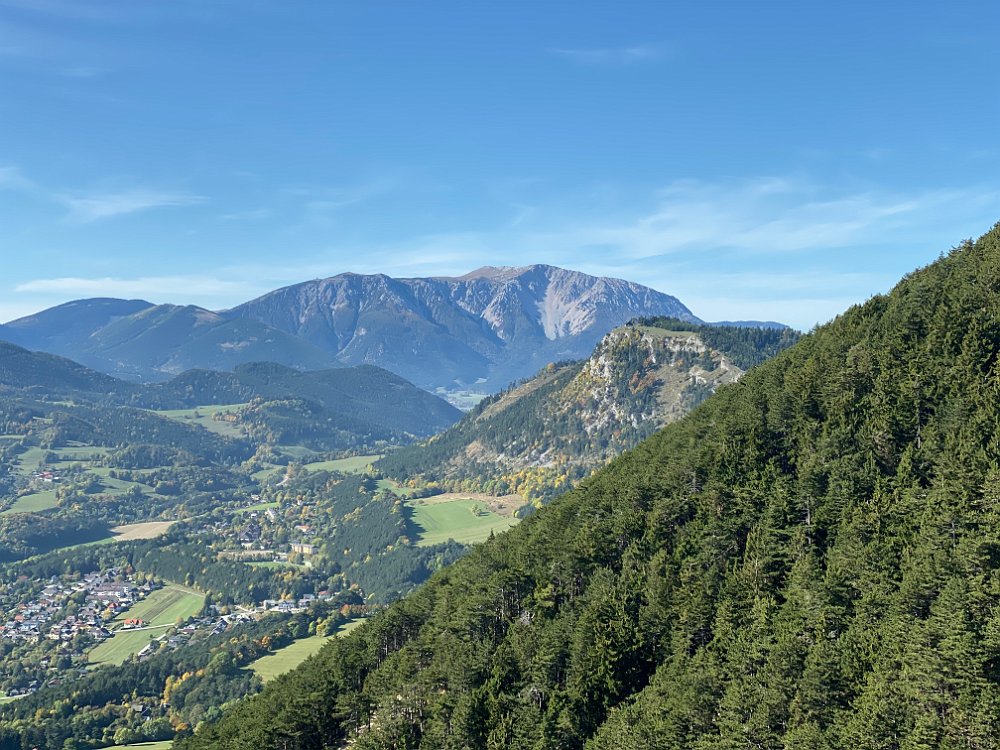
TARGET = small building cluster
(104,596)
(204,626)
(292,606)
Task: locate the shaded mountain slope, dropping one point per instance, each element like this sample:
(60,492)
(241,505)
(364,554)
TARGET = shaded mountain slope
(140,341)
(811,559)
(368,395)
(64,329)
(549,431)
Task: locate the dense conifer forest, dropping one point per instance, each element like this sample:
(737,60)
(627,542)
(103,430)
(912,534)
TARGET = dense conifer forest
(809,560)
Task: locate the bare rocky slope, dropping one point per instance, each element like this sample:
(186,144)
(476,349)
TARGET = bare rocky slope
(543,434)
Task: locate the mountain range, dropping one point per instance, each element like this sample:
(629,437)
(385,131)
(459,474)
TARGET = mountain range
(482,330)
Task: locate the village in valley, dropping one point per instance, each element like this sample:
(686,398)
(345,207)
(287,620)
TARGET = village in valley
(78,622)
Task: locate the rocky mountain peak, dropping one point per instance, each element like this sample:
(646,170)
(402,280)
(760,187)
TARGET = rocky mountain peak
(488,327)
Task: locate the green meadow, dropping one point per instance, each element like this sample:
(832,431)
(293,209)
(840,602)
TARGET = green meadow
(350,465)
(33,503)
(465,521)
(287,658)
(204,416)
(164,606)
(159,610)
(119,647)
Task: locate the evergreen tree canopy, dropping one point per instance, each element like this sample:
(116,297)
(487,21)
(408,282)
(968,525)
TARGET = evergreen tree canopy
(809,560)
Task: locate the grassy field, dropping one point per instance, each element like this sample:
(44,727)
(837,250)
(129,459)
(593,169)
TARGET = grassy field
(146,530)
(397,490)
(465,521)
(122,645)
(352,465)
(275,564)
(165,605)
(129,531)
(70,454)
(162,745)
(269,469)
(295,452)
(203,416)
(30,459)
(287,658)
(258,506)
(118,486)
(160,610)
(33,503)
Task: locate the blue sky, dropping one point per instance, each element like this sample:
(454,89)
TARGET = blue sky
(777,160)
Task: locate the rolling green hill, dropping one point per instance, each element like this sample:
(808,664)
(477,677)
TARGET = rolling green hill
(335,409)
(811,559)
(83,452)
(363,399)
(54,376)
(542,435)
(61,328)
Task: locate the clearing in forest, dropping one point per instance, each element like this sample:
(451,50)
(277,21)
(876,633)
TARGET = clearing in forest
(287,658)
(465,520)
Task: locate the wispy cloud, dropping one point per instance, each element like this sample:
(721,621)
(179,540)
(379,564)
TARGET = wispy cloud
(83,71)
(70,10)
(38,49)
(86,206)
(12,179)
(610,55)
(254,214)
(330,199)
(721,246)
(762,216)
(166,288)
(95,206)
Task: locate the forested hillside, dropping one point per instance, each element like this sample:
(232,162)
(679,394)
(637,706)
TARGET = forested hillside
(541,436)
(810,560)
(344,408)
